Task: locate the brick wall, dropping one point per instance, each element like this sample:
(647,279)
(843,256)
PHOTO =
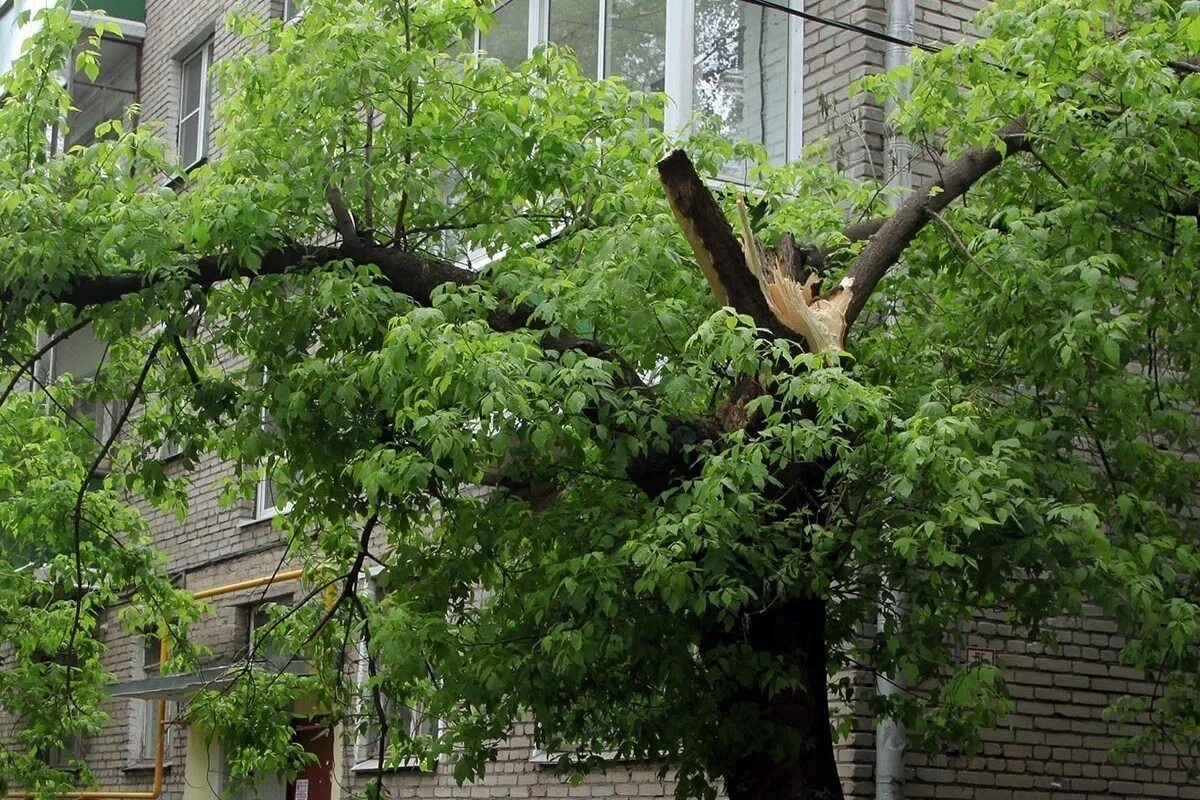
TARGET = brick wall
(1055,745)
(850,127)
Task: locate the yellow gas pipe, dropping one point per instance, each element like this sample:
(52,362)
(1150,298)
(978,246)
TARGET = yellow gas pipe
(160,745)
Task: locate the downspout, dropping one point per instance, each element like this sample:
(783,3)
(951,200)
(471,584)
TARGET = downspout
(897,149)
(889,733)
(160,744)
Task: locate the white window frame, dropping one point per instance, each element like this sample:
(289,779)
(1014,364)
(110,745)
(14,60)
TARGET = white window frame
(262,511)
(201,112)
(678,78)
(291,12)
(365,761)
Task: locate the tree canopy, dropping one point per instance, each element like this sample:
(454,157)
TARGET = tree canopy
(448,306)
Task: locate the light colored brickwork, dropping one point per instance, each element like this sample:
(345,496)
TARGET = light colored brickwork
(1056,744)
(850,127)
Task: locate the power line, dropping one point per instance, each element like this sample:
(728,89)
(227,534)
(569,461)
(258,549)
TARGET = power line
(846,26)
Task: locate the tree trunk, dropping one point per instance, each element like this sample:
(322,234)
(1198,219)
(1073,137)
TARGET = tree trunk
(797,763)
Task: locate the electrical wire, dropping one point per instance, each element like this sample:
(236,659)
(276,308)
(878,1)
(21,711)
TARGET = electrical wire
(846,26)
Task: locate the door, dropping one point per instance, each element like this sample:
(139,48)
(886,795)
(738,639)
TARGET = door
(316,781)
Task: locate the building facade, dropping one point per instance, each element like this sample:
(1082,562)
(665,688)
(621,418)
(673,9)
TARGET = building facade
(769,76)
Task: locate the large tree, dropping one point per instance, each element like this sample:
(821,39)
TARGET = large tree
(639,478)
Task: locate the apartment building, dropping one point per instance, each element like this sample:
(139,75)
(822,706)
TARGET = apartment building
(771,77)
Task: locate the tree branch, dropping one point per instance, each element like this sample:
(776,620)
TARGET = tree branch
(887,245)
(343,220)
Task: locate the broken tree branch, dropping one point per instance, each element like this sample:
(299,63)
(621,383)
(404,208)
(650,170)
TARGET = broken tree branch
(771,296)
(718,252)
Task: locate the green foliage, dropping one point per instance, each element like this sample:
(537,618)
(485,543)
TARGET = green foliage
(1014,431)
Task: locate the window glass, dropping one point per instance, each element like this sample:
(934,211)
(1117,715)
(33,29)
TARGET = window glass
(508,38)
(146,711)
(576,24)
(108,96)
(741,69)
(635,42)
(291,10)
(400,718)
(193,83)
(193,106)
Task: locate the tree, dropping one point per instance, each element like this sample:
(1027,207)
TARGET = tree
(700,484)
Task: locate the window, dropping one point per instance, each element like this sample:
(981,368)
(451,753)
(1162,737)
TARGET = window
(291,10)
(412,722)
(108,96)
(10,36)
(266,502)
(144,713)
(736,61)
(262,643)
(66,758)
(79,357)
(194,101)
(614,37)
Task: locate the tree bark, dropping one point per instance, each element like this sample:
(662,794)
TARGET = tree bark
(796,761)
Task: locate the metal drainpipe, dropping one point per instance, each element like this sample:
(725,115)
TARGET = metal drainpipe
(897,149)
(890,734)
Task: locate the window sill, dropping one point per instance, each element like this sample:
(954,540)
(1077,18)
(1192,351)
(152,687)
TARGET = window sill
(178,181)
(260,518)
(145,766)
(372,765)
(543,758)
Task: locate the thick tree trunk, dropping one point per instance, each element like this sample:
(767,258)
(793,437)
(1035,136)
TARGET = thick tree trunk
(798,763)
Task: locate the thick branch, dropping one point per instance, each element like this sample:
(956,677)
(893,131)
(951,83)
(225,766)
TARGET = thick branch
(410,274)
(718,252)
(342,218)
(887,245)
